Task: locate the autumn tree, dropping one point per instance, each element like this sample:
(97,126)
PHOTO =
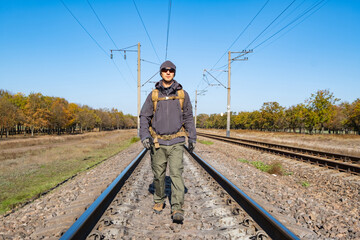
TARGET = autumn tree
(294,117)
(8,115)
(201,120)
(105,119)
(130,121)
(242,120)
(86,118)
(60,115)
(273,114)
(337,120)
(321,103)
(352,114)
(117,118)
(36,112)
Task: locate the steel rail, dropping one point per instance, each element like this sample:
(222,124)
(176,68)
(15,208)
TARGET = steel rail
(329,155)
(295,152)
(265,220)
(86,222)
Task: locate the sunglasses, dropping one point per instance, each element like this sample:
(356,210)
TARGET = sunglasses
(171,70)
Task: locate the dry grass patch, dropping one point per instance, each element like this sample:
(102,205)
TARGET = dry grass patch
(30,173)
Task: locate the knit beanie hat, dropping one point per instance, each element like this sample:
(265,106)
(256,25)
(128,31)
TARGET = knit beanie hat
(167,64)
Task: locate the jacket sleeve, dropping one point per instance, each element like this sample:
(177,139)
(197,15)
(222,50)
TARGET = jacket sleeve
(189,118)
(146,115)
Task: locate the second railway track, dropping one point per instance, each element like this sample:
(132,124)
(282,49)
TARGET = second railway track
(345,163)
(211,212)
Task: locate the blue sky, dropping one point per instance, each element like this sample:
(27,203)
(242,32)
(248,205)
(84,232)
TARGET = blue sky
(43,49)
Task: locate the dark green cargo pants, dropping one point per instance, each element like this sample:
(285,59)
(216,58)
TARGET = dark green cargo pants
(159,158)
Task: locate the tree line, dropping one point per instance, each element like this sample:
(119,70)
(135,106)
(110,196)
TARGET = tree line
(319,113)
(36,113)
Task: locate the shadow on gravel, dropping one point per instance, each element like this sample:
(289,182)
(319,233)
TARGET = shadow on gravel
(167,188)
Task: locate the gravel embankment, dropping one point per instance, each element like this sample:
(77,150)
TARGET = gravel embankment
(55,212)
(207,213)
(328,207)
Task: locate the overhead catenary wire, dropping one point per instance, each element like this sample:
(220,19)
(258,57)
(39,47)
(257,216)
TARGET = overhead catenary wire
(118,69)
(149,62)
(101,23)
(168,28)
(150,78)
(96,42)
(269,24)
(288,15)
(82,26)
(147,33)
(103,26)
(295,25)
(290,23)
(237,38)
(293,21)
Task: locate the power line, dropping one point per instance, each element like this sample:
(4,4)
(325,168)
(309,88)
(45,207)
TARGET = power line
(242,32)
(149,62)
(101,23)
(103,26)
(118,69)
(168,27)
(297,18)
(147,33)
(84,28)
(293,26)
(150,78)
(252,20)
(270,24)
(288,15)
(301,15)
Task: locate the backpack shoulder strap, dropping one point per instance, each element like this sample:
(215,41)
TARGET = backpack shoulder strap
(181,96)
(155,98)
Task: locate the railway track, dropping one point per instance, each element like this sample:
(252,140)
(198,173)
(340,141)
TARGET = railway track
(344,163)
(214,208)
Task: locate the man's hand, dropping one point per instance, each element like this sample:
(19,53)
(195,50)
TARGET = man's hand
(192,146)
(147,143)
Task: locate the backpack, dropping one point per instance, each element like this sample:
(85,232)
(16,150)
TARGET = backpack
(155,99)
(180,95)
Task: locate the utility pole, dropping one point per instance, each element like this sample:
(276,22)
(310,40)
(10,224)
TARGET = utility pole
(196,94)
(138,90)
(242,53)
(195,107)
(138,78)
(228,97)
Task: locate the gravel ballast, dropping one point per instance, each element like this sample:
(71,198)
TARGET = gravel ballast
(324,201)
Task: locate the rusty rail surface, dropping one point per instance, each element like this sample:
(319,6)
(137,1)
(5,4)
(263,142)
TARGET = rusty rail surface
(345,163)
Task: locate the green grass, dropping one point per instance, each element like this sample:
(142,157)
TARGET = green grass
(243,160)
(205,142)
(22,185)
(305,184)
(274,168)
(134,139)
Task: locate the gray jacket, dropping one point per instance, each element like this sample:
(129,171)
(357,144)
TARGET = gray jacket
(168,117)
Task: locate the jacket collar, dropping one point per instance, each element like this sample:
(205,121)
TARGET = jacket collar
(174,87)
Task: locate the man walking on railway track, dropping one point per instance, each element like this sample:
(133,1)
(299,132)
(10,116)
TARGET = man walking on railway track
(165,119)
